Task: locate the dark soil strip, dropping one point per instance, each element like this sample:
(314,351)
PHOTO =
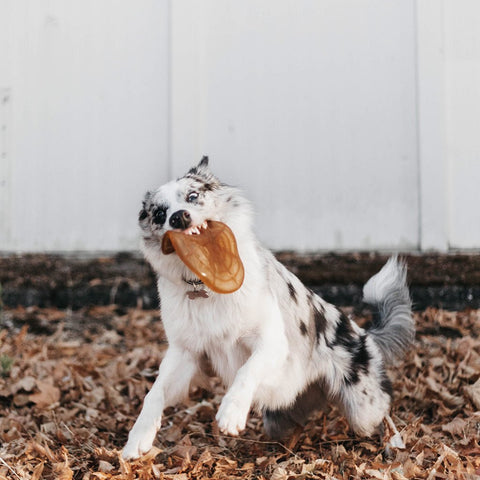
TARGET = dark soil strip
(445,281)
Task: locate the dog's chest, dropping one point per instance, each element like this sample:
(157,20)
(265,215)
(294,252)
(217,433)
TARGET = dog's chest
(210,329)
(203,324)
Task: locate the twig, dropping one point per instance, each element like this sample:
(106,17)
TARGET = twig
(3,462)
(259,442)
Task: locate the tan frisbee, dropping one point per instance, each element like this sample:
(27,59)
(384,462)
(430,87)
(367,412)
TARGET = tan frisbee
(212,255)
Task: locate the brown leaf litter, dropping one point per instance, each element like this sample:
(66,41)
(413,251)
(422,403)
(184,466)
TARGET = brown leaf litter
(68,399)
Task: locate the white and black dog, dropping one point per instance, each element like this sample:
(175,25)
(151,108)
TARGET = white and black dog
(277,346)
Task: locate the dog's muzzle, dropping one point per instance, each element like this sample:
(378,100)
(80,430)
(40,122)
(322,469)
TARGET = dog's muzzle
(180,220)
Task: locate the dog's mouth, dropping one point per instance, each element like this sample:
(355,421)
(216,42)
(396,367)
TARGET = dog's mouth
(194,230)
(169,246)
(210,252)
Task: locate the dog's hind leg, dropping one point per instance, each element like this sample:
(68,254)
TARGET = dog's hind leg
(279,423)
(366,402)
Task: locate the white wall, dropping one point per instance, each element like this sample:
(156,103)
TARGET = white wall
(351,125)
(86,119)
(462,72)
(311,107)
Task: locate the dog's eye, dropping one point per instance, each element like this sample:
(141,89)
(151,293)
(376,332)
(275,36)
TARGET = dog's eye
(160,216)
(192,197)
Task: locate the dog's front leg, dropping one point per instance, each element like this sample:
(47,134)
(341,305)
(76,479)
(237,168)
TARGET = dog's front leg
(268,356)
(172,384)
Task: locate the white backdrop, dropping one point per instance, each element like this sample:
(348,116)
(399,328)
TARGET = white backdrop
(352,125)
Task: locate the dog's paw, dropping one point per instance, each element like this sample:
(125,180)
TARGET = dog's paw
(232,416)
(140,441)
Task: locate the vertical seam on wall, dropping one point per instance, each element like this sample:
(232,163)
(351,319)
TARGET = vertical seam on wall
(169,89)
(417,129)
(447,164)
(431,127)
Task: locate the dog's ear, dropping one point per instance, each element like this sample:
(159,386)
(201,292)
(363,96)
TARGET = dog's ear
(146,199)
(143,214)
(203,173)
(203,162)
(201,169)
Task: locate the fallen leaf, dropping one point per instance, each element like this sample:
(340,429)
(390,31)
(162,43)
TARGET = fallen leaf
(473,391)
(37,472)
(456,427)
(444,394)
(48,395)
(26,384)
(62,470)
(104,466)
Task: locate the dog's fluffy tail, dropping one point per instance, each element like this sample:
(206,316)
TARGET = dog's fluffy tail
(393,328)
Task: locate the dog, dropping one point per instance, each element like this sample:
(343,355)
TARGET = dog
(278,347)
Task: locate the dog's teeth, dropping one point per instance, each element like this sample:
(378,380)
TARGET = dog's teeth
(204,225)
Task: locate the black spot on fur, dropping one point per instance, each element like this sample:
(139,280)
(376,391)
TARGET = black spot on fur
(359,363)
(319,321)
(346,337)
(159,215)
(142,215)
(351,376)
(292,291)
(317,315)
(303,328)
(344,334)
(362,356)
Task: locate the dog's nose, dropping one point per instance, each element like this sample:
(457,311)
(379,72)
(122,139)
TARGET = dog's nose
(180,219)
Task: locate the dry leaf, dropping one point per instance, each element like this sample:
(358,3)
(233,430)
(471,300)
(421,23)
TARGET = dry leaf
(104,466)
(26,384)
(48,395)
(448,397)
(62,470)
(37,472)
(456,427)
(98,386)
(279,474)
(473,391)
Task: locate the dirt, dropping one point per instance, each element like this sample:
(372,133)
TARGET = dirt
(443,281)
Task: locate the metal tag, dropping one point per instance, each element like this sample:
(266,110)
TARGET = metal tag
(194,294)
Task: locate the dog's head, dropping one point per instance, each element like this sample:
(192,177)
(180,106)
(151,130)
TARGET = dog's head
(188,203)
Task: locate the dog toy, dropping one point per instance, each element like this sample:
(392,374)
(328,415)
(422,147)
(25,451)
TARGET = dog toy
(210,252)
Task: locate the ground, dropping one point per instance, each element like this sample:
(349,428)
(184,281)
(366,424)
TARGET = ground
(444,281)
(72,383)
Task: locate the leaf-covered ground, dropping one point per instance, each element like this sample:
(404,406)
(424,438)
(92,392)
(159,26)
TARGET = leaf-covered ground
(72,383)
